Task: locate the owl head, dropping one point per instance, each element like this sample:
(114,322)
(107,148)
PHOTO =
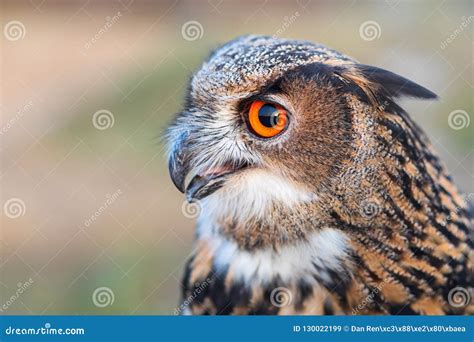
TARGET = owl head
(269,120)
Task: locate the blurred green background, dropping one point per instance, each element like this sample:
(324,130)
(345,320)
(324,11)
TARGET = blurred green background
(95,208)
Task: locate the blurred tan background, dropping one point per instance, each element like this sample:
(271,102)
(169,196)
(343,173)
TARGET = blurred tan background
(91,223)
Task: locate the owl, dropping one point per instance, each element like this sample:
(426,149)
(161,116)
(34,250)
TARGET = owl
(317,193)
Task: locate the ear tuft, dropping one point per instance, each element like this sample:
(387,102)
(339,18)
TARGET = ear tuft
(393,85)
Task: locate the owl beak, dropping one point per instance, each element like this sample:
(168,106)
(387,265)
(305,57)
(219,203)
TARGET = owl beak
(197,181)
(200,185)
(209,181)
(178,167)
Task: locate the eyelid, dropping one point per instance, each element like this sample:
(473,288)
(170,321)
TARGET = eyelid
(278,100)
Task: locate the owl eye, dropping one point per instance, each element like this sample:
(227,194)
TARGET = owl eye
(267,119)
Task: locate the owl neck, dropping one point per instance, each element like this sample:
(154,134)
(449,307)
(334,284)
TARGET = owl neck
(291,280)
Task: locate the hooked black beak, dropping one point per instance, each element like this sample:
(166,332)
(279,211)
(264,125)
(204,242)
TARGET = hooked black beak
(201,185)
(178,167)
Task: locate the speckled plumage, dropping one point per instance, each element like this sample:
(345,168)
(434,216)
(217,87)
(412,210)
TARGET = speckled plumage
(249,62)
(349,211)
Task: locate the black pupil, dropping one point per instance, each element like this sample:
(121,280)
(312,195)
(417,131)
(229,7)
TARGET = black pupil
(268,115)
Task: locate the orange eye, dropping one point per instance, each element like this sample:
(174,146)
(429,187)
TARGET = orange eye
(267,119)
